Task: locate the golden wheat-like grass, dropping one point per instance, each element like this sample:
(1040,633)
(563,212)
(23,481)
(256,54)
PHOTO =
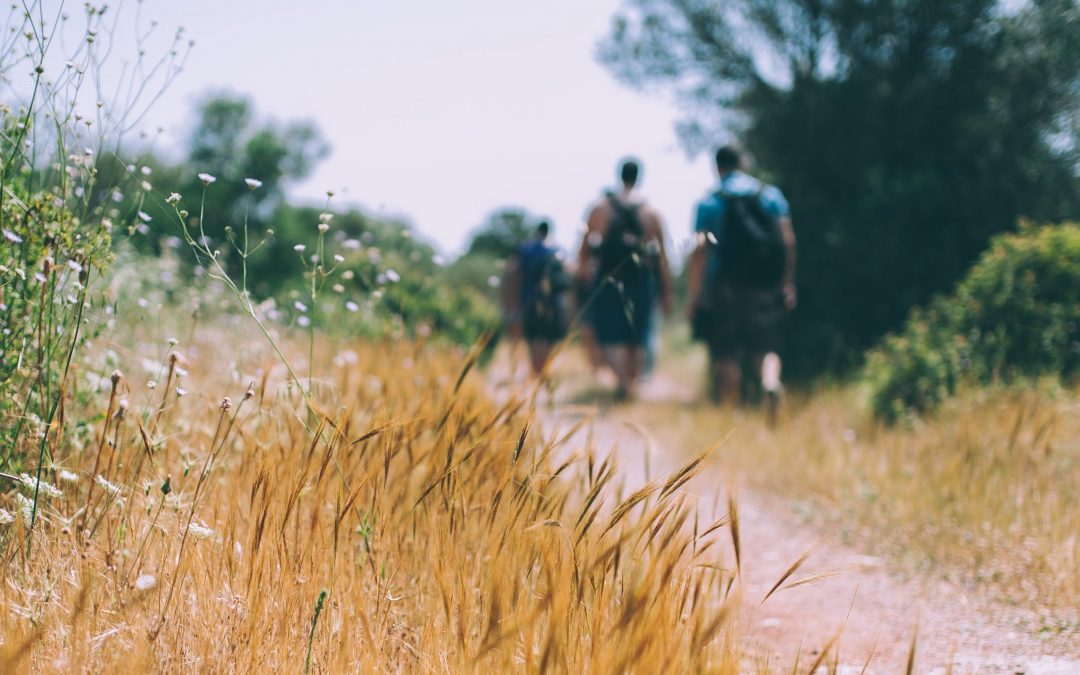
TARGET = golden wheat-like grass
(448,533)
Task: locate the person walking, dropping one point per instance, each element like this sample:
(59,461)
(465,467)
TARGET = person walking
(624,260)
(741,279)
(537,283)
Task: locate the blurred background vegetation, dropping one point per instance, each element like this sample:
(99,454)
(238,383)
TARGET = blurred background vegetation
(905,135)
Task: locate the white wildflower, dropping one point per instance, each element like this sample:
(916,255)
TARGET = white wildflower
(145,582)
(75,266)
(145,185)
(304,322)
(151,384)
(253,183)
(338,288)
(324,227)
(339,258)
(173,198)
(6,517)
(42,487)
(146,171)
(299,248)
(300,307)
(12,237)
(145,217)
(325,217)
(106,485)
(67,476)
(180,391)
(393,276)
(206,178)
(200,531)
(494,281)
(26,507)
(352,306)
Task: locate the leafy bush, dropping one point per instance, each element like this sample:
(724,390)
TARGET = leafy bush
(1014,315)
(46,259)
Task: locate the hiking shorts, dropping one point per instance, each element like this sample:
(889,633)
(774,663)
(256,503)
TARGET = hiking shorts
(622,313)
(743,321)
(545,324)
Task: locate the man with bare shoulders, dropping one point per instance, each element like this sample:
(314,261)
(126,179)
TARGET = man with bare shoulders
(622,260)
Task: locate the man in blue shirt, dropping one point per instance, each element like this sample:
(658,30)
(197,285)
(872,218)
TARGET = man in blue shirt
(535,289)
(736,311)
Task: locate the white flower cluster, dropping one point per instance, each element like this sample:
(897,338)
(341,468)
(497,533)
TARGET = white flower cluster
(42,487)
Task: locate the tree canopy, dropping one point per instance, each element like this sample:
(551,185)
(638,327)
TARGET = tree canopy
(904,132)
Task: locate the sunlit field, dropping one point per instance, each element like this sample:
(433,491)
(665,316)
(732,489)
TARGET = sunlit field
(397,521)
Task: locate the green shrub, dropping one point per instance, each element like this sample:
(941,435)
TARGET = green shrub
(46,259)
(1014,315)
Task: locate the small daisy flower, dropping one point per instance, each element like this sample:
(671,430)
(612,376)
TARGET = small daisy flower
(206,178)
(174,198)
(299,248)
(253,183)
(144,216)
(145,582)
(12,237)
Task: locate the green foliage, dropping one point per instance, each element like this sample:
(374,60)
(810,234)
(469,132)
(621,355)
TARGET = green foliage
(501,234)
(1016,314)
(46,259)
(905,134)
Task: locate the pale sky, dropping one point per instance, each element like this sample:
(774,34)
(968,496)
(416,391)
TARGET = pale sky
(440,111)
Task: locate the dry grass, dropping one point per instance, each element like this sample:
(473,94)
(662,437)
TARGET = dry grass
(404,523)
(984,493)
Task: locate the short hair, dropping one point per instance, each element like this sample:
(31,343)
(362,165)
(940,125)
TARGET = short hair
(728,158)
(543,228)
(629,171)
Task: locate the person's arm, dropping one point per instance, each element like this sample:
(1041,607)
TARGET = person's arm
(695,273)
(695,266)
(511,287)
(663,268)
(584,258)
(787,232)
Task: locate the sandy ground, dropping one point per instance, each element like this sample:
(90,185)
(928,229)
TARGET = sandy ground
(864,605)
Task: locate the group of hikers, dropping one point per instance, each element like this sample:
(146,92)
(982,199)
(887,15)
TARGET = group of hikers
(740,283)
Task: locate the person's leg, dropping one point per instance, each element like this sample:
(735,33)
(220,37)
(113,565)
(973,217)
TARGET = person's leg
(539,350)
(620,358)
(768,366)
(728,378)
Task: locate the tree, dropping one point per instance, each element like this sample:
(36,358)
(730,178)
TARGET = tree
(502,233)
(905,133)
(229,143)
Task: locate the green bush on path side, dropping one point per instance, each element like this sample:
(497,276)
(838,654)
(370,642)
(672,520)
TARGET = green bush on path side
(1014,315)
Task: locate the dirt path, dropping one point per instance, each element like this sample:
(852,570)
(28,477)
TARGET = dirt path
(864,603)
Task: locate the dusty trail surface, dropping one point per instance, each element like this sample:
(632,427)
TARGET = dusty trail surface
(869,608)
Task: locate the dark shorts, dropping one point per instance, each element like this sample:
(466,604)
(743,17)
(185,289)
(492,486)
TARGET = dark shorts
(621,314)
(742,321)
(543,324)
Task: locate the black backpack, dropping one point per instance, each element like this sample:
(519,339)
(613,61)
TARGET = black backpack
(544,281)
(752,251)
(621,253)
